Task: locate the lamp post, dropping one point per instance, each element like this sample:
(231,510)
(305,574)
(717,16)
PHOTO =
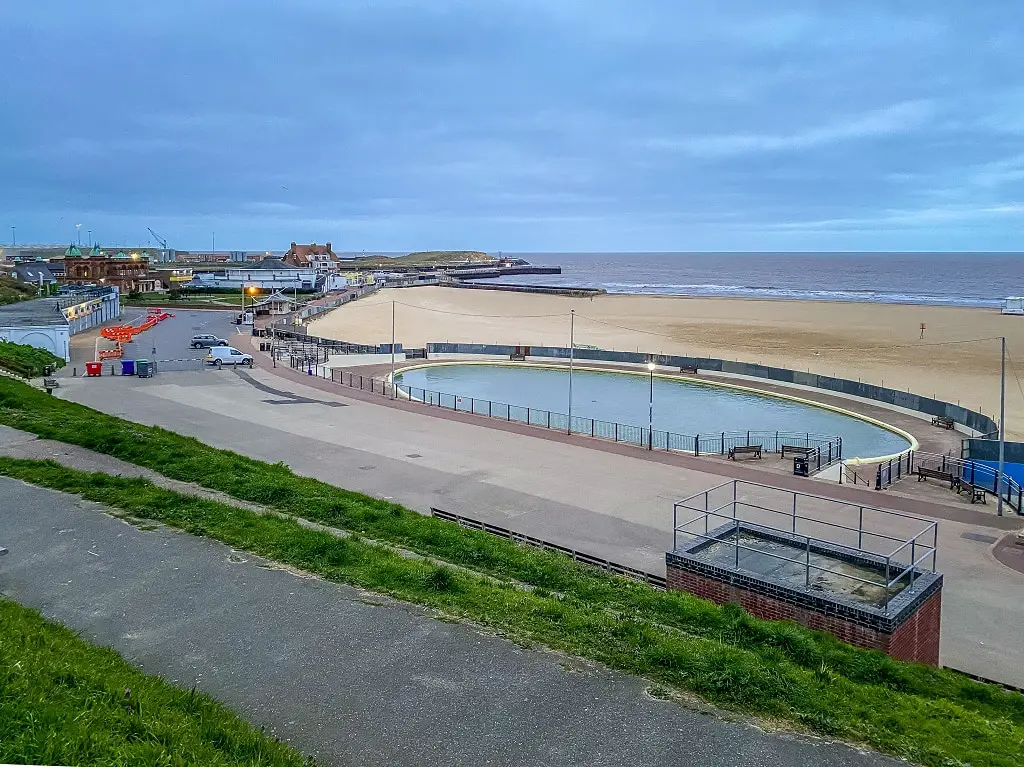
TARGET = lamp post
(78,229)
(392,350)
(14,238)
(650,411)
(572,354)
(1002,428)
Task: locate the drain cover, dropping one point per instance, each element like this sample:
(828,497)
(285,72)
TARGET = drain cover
(979,537)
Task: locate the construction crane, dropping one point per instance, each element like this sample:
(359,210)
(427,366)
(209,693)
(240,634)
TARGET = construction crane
(163,244)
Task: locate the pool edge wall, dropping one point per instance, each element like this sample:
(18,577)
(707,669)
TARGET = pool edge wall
(973,420)
(908,631)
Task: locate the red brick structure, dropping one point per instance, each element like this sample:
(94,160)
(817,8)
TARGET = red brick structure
(319,257)
(123,272)
(910,635)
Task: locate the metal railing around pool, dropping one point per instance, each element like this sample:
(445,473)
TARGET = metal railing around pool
(962,473)
(821,451)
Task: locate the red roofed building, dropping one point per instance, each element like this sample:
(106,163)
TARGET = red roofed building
(318,257)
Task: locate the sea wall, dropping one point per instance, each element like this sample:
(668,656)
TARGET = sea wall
(978,422)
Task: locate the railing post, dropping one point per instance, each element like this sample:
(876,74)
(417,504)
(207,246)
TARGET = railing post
(878,478)
(807,566)
(549,420)
(860,529)
(723,444)
(616,431)
(591,427)
(696,445)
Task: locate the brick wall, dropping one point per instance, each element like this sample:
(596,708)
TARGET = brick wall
(916,639)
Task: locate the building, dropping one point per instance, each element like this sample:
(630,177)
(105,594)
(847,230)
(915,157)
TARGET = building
(36,273)
(320,258)
(267,274)
(49,323)
(122,270)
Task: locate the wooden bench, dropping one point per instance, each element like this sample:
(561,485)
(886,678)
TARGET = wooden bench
(691,369)
(943,422)
(976,494)
(798,449)
(924,473)
(754,450)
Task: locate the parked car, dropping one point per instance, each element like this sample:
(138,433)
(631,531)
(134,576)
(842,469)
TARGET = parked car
(207,340)
(228,355)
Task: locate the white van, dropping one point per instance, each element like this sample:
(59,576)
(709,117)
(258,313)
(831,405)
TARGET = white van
(228,355)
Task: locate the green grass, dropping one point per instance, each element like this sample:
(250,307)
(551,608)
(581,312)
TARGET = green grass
(763,651)
(198,299)
(13,291)
(26,361)
(64,701)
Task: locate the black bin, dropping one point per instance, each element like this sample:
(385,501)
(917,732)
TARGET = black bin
(801,468)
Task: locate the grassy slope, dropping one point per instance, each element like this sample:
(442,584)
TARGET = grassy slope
(770,668)
(63,701)
(26,360)
(12,290)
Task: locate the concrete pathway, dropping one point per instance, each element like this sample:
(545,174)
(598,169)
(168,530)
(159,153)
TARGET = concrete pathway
(346,676)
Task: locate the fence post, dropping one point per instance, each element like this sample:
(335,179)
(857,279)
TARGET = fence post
(591,427)
(696,445)
(616,431)
(748,437)
(807,566)
(723,444)
(489,403)
(549,420)
(527,416)
(878,478)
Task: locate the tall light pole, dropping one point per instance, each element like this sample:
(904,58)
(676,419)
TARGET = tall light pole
(650,412)
(392,350)
(78,228)
(14,238)
(572,355)
(90,238)
(214,245)
(1002,427)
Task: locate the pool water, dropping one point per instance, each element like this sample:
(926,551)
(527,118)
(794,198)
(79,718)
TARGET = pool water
(680,406)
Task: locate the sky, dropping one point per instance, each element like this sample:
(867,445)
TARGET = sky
(515,125)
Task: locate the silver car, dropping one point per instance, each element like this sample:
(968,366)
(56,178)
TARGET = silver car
(205,340)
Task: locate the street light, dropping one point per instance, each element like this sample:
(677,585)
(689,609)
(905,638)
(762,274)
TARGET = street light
(572,354)
(650,412)
(78,228)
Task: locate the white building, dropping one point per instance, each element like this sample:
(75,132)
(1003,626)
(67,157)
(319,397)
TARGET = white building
(268,274)
(49,323)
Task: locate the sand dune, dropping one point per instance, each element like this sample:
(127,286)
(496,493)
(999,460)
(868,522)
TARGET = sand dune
(879,343)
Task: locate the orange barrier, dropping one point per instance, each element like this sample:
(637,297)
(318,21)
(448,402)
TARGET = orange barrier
(125,333)
(110,354)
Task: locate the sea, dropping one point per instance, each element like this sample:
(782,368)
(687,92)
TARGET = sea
(952,279)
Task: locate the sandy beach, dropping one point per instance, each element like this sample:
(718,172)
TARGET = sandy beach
(878,343)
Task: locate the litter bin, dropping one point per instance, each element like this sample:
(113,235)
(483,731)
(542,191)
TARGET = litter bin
(143,369)
(127,367)
(801,468)
(93,368)
(48,370)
